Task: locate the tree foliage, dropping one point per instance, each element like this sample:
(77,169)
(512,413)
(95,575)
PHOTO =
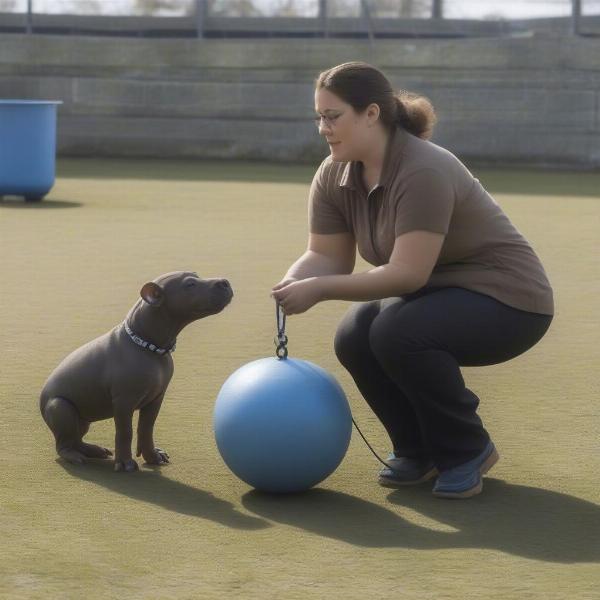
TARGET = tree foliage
(153,7)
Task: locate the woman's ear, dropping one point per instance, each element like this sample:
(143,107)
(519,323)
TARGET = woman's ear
(373,112)
(152,293)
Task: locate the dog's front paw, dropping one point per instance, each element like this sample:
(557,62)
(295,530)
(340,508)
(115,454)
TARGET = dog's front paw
(126,465)
(156,456)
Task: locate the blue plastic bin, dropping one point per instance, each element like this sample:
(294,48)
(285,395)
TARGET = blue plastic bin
(27,147)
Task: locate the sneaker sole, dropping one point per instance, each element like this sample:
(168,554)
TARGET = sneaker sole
(385,482)
(490,461)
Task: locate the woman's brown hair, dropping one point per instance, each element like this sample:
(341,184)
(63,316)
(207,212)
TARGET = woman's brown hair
(360,84)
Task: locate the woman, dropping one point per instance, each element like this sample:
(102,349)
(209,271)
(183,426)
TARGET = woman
(454,284)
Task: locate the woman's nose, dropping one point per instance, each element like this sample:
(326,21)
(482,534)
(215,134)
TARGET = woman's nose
(324,129)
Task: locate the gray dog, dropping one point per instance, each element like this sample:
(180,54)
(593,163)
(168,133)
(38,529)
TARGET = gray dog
(127,369)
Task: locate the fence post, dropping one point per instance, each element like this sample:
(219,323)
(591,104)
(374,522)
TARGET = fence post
(29,27)
(201,12)
(437,9)
(366,15)
(575,16)
(323,18)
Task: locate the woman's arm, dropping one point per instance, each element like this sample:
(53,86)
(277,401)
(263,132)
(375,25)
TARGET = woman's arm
(381,282)
(409,268)
(413,258)
(329,254)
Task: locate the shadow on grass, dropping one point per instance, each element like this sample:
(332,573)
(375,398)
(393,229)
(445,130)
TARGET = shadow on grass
(502,180)
(149,485)
(19,203)
(520,520)
(515,519)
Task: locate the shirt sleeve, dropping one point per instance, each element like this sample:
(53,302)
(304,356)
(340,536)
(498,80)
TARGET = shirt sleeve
(426,204)
(324,216)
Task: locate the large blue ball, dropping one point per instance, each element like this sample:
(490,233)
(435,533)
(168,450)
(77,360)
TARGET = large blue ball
(282,425)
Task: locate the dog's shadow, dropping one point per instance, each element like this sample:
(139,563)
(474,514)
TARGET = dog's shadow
(149,485)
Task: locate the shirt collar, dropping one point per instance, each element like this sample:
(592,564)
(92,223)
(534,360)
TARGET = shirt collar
(351,175)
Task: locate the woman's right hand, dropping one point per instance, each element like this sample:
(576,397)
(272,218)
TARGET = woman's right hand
(283,283)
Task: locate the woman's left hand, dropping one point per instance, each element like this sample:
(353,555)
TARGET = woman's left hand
(299,296)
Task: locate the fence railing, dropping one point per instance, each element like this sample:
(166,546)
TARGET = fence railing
(207,18)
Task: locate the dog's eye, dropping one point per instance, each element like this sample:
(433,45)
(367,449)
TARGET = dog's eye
(190,284)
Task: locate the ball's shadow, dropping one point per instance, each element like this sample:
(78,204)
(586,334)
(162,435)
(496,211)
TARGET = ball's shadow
(149,485)
(525,521)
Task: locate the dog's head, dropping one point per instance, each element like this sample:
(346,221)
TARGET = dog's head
(186,296)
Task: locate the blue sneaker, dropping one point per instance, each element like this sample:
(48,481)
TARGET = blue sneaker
(406,471)
(464,481)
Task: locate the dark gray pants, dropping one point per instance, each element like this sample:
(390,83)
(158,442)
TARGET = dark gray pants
(404,355)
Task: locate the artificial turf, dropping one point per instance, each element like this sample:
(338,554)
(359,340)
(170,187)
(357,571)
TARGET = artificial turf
(71,268)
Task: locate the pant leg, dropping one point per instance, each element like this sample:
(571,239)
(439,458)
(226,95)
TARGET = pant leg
(385,398)
(421,345)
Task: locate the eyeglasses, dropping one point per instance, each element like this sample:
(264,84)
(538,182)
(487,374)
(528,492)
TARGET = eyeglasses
(329,121)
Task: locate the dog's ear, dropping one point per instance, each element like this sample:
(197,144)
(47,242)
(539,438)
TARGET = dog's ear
(152,293)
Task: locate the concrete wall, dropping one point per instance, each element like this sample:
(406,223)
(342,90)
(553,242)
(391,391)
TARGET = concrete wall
(532,100)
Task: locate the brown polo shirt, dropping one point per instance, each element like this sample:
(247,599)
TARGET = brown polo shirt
(425,187)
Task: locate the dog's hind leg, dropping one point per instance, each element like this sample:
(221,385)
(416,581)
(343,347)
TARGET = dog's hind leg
(91,450)
(63,420)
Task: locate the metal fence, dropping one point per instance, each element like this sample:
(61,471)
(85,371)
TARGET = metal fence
(302,18)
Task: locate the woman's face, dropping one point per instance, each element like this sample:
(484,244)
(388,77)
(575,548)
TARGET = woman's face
(345,130)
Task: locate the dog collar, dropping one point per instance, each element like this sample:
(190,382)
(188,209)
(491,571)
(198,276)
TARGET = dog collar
(147,345)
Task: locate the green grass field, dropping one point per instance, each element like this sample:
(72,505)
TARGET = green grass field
(72,267)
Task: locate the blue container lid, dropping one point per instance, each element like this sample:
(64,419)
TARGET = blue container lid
(31,101)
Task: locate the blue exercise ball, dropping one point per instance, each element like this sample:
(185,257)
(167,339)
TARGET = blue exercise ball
(282,425)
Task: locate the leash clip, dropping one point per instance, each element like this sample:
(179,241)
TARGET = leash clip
(281,339)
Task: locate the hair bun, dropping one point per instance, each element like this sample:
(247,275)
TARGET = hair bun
(415,113)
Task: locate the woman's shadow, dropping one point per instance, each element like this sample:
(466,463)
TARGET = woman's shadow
(516,519)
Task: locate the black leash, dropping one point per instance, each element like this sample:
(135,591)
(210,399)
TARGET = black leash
(281,351)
